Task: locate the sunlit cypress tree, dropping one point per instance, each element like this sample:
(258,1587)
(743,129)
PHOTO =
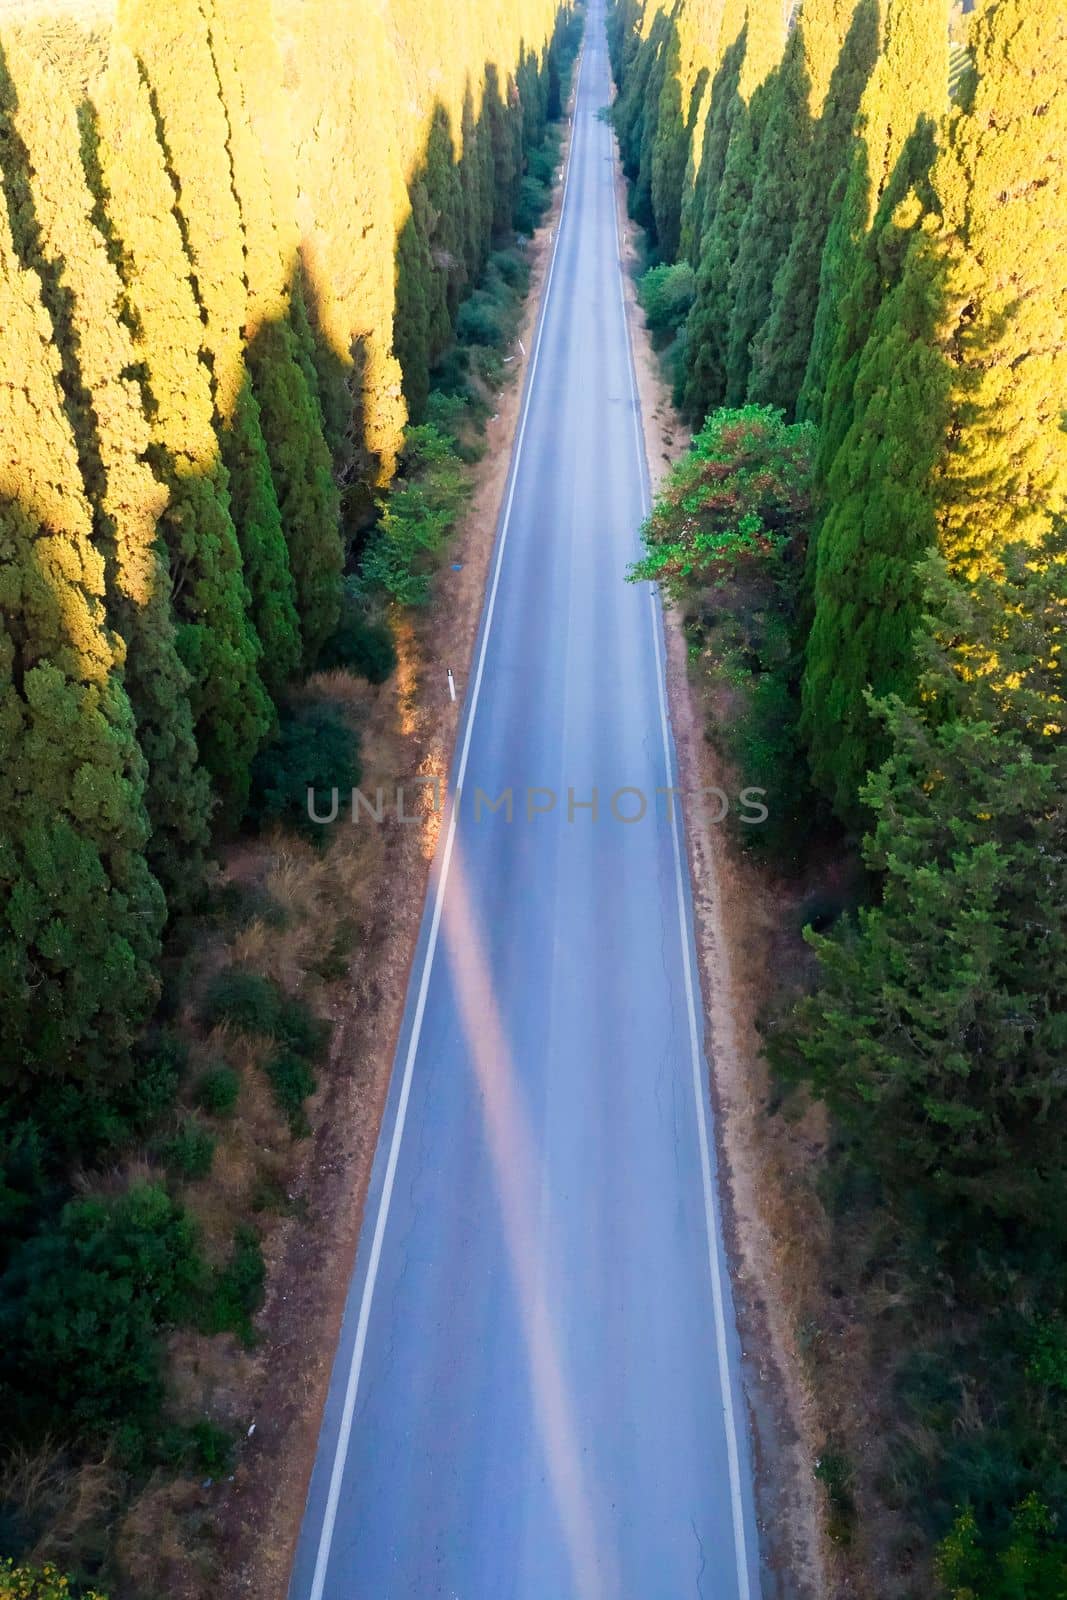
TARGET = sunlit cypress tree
(80,913)
(711,135)
(55,234)
(215,636)
(909,83)
(957,436)
(250,81)
(172,45)
(781,347)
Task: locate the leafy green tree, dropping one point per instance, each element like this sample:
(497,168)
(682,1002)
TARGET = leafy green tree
(55,235)
(80,913)
(1030,1565)
(38,1583)
(782,345)
(82,1308)
(957,438)
(216,638)
(940,1023)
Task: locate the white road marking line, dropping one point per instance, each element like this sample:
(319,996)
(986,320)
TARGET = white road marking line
(329,1518)
(733,1454)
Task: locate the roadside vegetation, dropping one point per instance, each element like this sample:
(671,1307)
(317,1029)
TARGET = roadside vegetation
(231,471)
(853,274)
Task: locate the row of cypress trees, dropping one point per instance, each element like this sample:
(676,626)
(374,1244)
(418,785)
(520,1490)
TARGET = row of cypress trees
(226,265)
(875,260)
(884,267)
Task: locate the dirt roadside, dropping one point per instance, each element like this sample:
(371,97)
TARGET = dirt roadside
(771,1225)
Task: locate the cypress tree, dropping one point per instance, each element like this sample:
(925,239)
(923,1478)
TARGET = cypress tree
(350,201)
(249,73)
(745,119)
(172,45)
(937,1034)
(714,119)
(957,436)
(669,149)
(780,159)
(782,345)
(662,46)
(55,234)
(215,636)
(80,913)
(908,87)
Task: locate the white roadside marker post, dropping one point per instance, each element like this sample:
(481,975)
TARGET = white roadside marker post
(451,683)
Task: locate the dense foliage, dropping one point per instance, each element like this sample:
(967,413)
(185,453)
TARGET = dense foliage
(257,285)
(885,264)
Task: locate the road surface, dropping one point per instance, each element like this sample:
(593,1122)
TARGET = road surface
(536,1394)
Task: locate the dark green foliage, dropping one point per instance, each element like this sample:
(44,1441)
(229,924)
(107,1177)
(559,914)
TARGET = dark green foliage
(938,1029)
(1029,1563)
(246,1000)
(217,1089)
(189,1151)
(708,338)
(292,1081)
(235,1293)
(315,749)
(666,294)
(362,644)
(255,1005)
(200,1447)
(780,159)
(300,466)
(82,1305)
(263,546)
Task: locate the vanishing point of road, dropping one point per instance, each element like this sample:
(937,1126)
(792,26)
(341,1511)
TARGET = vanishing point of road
(537,1394)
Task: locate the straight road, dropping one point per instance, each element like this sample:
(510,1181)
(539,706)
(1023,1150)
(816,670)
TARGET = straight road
(536,1394)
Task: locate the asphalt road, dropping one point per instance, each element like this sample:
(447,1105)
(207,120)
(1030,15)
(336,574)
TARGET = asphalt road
(536,1394)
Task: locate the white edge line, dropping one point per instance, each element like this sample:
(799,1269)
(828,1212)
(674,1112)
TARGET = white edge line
(348,1412)
(725,1379)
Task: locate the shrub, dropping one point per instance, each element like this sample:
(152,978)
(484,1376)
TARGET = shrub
(38,1583)
(217,1089)
(299,1029)
(512,267)
(361,644)
(481,320)
(531,205)
(237,1290)
(666,294)
(189,1152)
(292,1081)
(314,749)
(246,1000)
(82,1306)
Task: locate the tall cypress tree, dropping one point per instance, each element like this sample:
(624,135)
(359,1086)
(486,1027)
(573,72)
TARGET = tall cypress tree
(780,161)
(715,113)
(172,45)
(937,1034)
(216,638)
(957,436)
(250,82)
(781,347)
(908,88)
(80,913)
(54,233)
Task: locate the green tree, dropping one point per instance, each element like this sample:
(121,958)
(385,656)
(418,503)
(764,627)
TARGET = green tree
(957,438)
(80,913)
(1031,1564)
(938,1030)
(216,638)
(55,234)
(782,345)
(173,46)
